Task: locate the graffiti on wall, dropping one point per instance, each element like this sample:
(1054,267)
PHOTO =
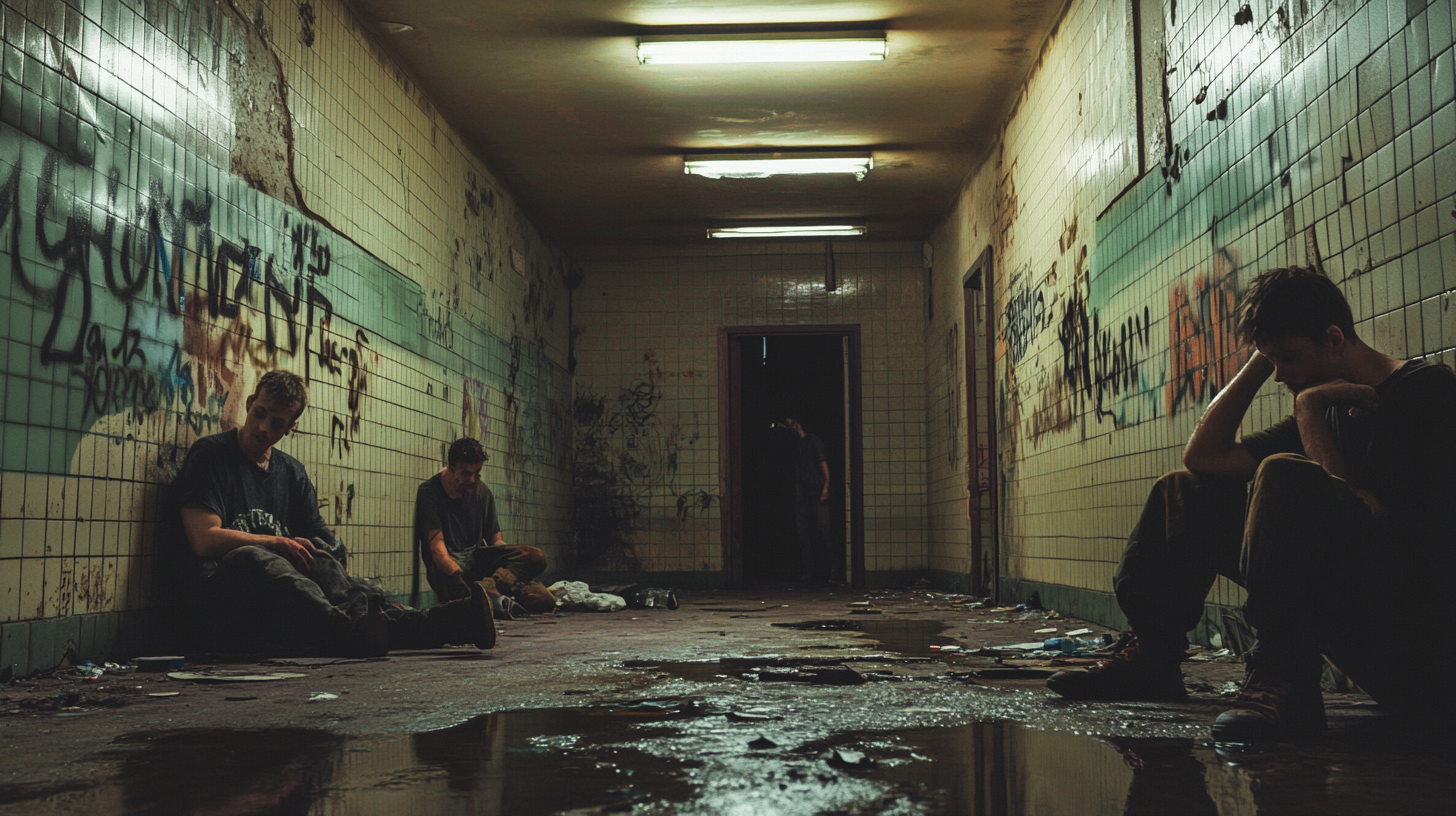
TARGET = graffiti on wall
(627,462)
(1204,353)
(474,418)
(1026,314)
(111,282)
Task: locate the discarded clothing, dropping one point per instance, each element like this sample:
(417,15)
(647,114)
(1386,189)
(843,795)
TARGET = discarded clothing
(576,596)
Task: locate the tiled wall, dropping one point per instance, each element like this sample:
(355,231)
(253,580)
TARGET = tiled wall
(1298,130)
(175,224)
(647,321)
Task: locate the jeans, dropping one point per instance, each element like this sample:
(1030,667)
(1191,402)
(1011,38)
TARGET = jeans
(525,563)
(1322,575)
(257,600)
(816,539)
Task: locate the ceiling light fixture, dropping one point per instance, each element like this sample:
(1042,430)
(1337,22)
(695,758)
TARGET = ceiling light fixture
(796,46)
(764,165)
(396,28)
(786,231)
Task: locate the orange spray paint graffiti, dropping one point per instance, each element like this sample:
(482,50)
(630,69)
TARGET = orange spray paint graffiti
(1203,345)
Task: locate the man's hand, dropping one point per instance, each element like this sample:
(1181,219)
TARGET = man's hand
(298,551)
(1361,399)
(824,494)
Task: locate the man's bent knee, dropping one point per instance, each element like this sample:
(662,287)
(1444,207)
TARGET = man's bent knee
(1287,469)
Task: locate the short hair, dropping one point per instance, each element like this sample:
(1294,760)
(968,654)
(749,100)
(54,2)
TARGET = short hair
(285,388)
(465,451)
(1293,301)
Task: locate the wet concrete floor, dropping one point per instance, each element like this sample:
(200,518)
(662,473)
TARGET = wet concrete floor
(692,712)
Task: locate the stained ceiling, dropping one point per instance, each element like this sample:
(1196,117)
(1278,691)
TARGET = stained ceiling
(551,95)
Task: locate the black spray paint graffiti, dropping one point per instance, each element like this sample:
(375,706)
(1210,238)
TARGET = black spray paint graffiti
(144,258)
(1101,364)
(437,317)
(342,433)
(1025,313)
(692,502)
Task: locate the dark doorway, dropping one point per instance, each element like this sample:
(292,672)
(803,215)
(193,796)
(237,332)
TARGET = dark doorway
(801,377)
(810,374)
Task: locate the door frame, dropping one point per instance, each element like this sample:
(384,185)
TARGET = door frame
(978,278)
(730,445)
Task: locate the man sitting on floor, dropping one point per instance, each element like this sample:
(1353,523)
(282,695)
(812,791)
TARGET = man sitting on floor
(459,539)
(267,574)
(1344,538)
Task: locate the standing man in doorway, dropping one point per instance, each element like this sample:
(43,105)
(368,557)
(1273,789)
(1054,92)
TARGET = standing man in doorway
(811,503)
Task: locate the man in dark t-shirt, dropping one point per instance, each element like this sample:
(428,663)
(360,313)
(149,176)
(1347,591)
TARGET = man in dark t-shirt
(1342,538)
(267,573)
(459,539)
(811,504)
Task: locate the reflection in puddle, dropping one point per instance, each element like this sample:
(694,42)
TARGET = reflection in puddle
(674,756)
(912,638)
(512,762)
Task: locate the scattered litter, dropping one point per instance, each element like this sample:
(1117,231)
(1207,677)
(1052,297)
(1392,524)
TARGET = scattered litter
(320,696)
(1229,689)
(576,596)
(1017,673)
(762,743)
(89,671)
(750,716)
(1045,631)
(847,759)
(164,694)
(238,699)
(938,648)
(866,612)
(313,661)
(861,604)
(232,677)
(815,675)
(1206,657)
(1078,633)
(158,664)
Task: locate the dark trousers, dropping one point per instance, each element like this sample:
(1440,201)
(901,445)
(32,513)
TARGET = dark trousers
(524,563)
(1321,574)
(258,601)
(816,539)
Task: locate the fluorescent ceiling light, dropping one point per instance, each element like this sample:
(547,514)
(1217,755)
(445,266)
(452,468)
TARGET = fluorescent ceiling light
(786,231)
(688,49)
(776,164)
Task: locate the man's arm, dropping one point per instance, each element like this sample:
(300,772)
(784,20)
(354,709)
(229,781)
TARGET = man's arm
(209,539)
(824,469)
(1310,409)
(1214,448)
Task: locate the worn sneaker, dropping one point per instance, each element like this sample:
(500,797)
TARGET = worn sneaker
(1271,709)
(1135,673)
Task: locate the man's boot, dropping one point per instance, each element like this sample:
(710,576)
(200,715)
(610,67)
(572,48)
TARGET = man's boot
(1275,705)
(504,606)
(468,620)
(535,597)
(1145,669)
(505,581)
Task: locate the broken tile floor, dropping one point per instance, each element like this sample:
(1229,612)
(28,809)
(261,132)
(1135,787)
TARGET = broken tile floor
(780,701)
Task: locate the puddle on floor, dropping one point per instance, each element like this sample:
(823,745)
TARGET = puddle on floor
(912,638)
(507,762)
(675,756)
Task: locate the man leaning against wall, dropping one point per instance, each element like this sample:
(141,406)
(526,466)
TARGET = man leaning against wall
(264,572)
(1335,520)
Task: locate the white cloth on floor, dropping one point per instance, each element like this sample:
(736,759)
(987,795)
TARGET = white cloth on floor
(576,596)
